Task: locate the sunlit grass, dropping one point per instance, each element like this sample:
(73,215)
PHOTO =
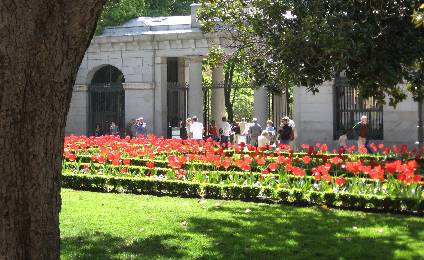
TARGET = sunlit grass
(124,226)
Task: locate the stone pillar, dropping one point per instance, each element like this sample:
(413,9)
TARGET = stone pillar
(76,121)
(260,105)
(139,103)
(218,98)
(195,92)
(194,20)
(160,94)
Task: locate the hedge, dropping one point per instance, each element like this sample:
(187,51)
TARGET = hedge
(160,187)
(226,174)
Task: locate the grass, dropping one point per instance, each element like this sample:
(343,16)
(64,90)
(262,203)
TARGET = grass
(124,226)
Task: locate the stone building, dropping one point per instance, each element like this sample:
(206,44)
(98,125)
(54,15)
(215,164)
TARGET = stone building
(152,68)
(149,67)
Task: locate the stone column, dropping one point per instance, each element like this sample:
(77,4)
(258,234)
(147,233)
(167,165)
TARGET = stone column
(260,106)
(218,98)
(194,21)
(76,121)
(139,102)
(195,92)
(160,94)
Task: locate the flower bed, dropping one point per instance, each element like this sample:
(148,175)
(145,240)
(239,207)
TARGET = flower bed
(388,180)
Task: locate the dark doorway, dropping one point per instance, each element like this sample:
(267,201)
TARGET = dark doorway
(107,101)
(176,98)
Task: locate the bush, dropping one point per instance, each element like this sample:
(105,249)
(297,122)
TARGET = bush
(146,185)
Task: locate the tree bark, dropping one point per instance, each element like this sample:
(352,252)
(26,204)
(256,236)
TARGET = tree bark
(228,81)
(42,45)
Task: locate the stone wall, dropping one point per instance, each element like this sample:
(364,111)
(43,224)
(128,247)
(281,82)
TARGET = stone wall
(400,123)
(313,115)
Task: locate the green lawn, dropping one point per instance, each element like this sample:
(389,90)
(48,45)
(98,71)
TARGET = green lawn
(123,226)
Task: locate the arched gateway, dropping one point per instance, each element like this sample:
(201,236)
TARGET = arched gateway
(106,100)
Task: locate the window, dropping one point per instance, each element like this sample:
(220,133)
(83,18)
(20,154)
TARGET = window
(349,106)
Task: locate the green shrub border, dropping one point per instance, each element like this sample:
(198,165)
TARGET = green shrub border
(149,186)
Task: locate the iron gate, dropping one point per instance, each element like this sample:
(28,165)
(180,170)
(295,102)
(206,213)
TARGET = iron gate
(177,105)
(349,106)
(107,105)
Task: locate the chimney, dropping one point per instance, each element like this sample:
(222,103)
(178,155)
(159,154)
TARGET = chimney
(194,20)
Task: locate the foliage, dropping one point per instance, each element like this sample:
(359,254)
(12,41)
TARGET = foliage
(238,75)
(117,12)
(305,43)
(167,7)
(125,226)
(240,192)
(418,17)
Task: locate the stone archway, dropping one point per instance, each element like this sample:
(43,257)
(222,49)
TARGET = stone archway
(106,100)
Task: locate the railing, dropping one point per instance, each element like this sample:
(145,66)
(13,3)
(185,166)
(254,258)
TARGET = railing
(349,106)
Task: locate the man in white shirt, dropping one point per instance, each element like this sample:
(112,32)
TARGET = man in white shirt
(225,131)
(196,129)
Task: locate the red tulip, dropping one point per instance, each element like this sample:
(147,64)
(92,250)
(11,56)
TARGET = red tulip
(273,166)
(306,159)
(340,181)
(126,161)
(150,164)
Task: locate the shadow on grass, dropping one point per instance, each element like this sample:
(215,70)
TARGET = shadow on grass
(265,232)
(285,233)
(106,246)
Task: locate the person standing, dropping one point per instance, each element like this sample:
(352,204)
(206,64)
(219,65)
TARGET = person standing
(213,131)
(237,133)
(263,139)
(189,121)
(292,141)
(140,127)
(271,131)
(114,129)
(243,131)
(98,131)
(285,132)
(183,130)
(255,130)
(342,142)
(196,129)
(225,131)
(361,130)
(130,129)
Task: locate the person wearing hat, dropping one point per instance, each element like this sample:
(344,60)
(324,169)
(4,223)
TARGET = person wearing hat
(285,134)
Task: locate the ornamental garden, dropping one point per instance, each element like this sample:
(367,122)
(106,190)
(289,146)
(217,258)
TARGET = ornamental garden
(389,180)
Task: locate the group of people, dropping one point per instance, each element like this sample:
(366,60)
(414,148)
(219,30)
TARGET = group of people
(135,128)
(247,132)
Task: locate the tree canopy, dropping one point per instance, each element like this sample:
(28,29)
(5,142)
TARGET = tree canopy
(117,12)
(306,42)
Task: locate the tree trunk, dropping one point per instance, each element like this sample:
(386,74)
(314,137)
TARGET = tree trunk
(227,90)
(42,45)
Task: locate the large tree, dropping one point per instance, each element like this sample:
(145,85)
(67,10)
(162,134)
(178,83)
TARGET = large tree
(305,42)
(42,45)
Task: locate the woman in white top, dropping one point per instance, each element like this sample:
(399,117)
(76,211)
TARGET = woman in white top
(263,139)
